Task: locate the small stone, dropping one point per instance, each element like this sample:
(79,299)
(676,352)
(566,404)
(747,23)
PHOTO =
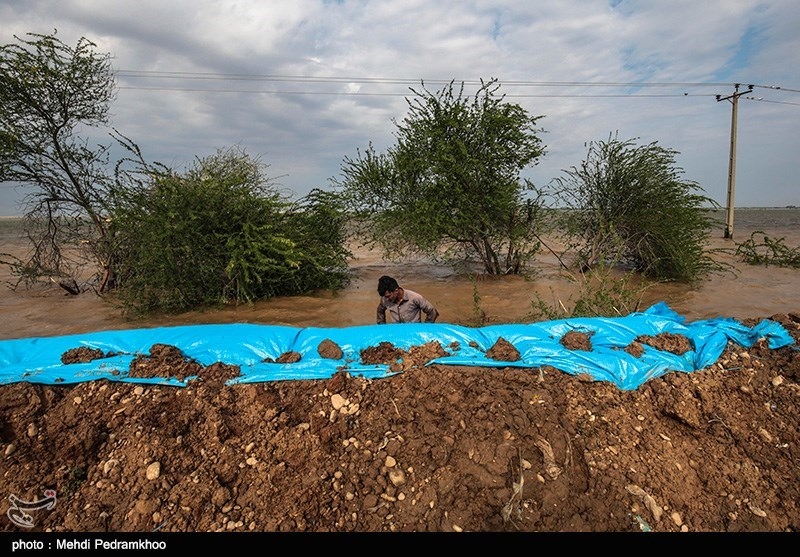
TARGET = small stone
(397,477)
(338,401)
(109,465)
(153,471)
(756,510)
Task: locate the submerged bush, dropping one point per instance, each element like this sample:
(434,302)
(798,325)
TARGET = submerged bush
(222,233)
(768,251)
(628,204)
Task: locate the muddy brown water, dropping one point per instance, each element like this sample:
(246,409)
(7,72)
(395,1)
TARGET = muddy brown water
(753,291)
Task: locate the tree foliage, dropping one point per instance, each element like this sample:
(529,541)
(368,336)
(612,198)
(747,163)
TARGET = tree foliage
(222,233)
(49,93)
(450,187)
(627,204)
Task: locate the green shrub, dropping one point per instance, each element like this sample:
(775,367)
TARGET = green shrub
(628,204)
(221,233)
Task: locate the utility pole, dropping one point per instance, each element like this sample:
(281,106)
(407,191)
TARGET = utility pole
(734,98)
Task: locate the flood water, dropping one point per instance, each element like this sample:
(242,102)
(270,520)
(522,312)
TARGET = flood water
(752,291)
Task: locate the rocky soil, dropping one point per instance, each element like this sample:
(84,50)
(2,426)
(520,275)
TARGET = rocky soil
(430,449)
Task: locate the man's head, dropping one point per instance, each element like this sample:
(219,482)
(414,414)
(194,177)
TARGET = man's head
(387,285)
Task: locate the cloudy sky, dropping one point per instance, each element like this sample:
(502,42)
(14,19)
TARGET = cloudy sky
(302,84)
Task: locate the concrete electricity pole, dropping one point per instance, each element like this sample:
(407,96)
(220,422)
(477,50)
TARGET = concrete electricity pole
(734,98)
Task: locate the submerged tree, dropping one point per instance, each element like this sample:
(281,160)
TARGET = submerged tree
(49,94)
(221,232)
(629,205)
(450,187)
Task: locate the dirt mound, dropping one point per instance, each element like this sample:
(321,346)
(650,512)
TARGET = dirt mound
(416,356)
(81,355)
(576,340)
(668,342)
(329,349)
(503,351)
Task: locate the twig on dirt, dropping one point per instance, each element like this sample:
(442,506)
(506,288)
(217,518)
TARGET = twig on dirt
(513,505)
(718,419)
(395,408)
(383,443)
(649,502)
(552,469)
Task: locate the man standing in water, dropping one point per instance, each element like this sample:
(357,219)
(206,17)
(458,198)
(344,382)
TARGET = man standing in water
(405,306)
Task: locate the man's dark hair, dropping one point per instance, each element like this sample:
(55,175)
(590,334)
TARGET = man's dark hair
(387,284)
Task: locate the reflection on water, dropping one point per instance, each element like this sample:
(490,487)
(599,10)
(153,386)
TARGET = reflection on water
(751,292)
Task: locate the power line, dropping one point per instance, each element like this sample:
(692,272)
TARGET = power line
(769,101)
(152,74)
(777,88)
(279,78)
(399,94)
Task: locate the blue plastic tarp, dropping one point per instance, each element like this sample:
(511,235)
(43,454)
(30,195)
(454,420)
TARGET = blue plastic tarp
(255,347)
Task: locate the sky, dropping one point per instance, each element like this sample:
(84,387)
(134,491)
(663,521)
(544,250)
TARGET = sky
(303,84)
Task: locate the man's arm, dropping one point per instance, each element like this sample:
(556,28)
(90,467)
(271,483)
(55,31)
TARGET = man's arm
(380,317)
(431,313)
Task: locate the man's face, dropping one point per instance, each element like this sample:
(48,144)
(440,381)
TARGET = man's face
(393,296)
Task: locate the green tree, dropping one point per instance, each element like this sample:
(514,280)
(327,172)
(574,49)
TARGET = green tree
(49,92)
(450,187)
(223,233)
(628,205)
